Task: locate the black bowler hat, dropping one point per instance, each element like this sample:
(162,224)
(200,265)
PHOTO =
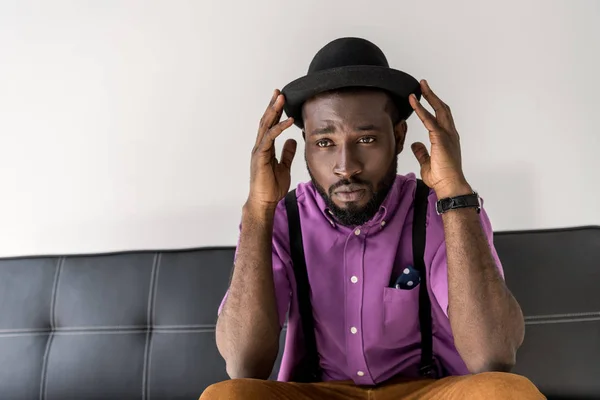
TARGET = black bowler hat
(350,62)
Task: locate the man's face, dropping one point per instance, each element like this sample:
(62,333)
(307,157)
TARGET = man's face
(351,151)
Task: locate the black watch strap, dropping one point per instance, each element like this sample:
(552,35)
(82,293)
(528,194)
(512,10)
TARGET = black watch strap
(451,203)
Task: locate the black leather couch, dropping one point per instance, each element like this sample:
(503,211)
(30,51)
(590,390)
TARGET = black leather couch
(140,325)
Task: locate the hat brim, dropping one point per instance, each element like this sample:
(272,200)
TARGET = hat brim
(397,83)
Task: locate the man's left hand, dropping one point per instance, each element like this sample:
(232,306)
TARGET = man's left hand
(442,169)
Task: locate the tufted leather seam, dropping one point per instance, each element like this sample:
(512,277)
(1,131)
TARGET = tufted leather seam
(150,326)
(561,320)
(115,328)
(44,374)
(568,315)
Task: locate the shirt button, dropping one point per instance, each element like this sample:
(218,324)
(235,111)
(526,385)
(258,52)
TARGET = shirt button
(357,232)
(360,373)
(354,279)
(353,330)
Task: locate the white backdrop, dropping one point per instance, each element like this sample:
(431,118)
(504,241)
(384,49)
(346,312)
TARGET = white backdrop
(128,124)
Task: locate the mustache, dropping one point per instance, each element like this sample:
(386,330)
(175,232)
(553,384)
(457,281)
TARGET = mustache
(348,182)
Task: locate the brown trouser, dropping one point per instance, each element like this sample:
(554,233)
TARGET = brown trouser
(488,386)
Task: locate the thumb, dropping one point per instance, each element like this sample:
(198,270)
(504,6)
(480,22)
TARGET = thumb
(288,153)
(420,152)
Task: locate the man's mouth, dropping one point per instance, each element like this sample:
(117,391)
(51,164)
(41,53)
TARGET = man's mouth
(350,193)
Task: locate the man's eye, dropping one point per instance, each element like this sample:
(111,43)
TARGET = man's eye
(367,139)
(323,143)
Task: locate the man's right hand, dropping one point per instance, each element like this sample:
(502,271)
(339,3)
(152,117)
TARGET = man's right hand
(269,178)
(248,327)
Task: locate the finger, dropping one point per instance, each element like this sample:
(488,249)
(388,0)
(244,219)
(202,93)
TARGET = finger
(288,153)
(442,110)
(261,123)
(425,116)
(420,152)
(269,116)
(266,121)
(268,140)
(276,93)
(278,111)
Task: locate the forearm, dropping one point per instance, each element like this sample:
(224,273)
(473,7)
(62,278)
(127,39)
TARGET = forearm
(486,320)
(248,327)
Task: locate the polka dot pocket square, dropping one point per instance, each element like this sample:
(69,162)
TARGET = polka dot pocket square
(408,279)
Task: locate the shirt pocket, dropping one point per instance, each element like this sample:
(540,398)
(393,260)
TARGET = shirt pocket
(401,315)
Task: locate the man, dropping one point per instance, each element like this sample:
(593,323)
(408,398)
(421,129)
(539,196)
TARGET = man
(357,235)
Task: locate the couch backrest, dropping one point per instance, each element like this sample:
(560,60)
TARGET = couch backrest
(123,326)
(555,275)
(140,325)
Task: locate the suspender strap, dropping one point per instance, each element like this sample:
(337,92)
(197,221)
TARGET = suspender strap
(427,368)
(309,369)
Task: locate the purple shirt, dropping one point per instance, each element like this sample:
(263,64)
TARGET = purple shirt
(366,331)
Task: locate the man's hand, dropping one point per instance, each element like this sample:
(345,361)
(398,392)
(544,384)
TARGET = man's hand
(269,178)
(442,170)
(248,327)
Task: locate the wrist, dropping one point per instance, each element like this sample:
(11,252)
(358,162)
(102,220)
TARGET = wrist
(258,212)
(453,190)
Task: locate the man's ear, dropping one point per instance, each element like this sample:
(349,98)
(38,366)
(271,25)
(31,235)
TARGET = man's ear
(400,135)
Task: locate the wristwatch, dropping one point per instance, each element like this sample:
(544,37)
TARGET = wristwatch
(451,203)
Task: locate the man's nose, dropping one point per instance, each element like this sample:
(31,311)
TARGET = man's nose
(347,163)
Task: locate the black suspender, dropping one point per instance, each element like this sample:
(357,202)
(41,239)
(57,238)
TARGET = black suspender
(309,370)
(419,237)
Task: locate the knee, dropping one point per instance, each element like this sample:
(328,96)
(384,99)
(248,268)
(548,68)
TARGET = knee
(501,385)
(235,389)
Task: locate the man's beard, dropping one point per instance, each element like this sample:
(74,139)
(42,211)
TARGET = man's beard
(353,215)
